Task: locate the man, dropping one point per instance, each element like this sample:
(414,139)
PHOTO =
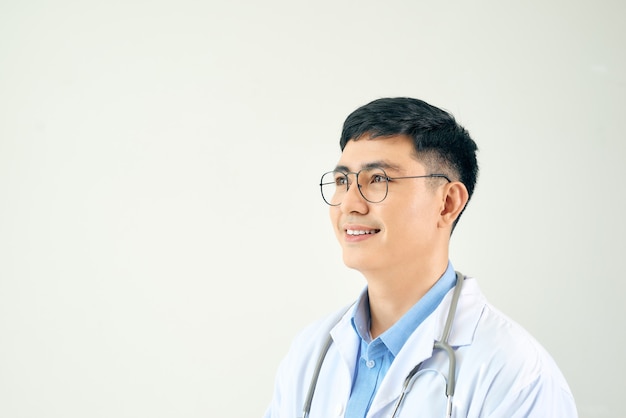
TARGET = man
(406,173)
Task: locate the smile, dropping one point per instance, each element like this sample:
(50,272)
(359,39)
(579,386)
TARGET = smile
(362,232)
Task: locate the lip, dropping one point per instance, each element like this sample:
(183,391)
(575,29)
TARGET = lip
(358,233)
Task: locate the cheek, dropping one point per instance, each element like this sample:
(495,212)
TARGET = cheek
(412,220)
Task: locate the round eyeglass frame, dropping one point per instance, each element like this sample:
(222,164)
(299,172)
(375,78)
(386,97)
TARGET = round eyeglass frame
(386,177)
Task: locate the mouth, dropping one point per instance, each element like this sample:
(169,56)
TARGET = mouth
(355,232)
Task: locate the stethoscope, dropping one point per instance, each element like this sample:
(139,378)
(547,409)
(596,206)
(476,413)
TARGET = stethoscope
(410,378)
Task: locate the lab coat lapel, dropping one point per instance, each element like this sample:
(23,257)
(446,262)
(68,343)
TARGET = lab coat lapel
(346,342)
(335,379)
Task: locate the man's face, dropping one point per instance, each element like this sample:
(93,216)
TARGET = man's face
(400,231)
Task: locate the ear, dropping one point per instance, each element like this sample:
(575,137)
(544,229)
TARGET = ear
(455,198)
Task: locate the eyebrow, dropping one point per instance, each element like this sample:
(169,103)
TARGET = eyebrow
(385,165)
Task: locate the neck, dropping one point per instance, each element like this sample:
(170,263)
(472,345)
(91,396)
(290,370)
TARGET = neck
(394,292)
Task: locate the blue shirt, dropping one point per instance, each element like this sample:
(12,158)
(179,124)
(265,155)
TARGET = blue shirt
(375,357)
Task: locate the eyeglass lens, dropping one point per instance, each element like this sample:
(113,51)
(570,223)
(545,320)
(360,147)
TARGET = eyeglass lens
(372,183)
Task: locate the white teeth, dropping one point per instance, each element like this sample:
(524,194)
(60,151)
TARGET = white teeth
(359,232)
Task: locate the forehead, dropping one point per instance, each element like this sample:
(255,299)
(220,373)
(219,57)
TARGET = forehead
(393,153)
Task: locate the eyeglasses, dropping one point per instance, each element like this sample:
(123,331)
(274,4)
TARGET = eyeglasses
(374,184)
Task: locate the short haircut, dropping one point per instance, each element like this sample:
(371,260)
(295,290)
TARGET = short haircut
(440,143)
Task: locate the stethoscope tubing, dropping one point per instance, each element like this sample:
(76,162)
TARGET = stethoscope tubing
(316,375)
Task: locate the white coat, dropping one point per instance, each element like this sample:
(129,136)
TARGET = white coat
(501,370)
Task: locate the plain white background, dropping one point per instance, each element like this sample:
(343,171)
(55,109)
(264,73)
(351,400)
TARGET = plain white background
(162,237)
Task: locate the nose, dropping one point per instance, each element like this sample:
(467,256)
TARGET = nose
(353,201)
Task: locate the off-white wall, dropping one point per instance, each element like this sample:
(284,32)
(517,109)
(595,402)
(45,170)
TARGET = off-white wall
(162,237)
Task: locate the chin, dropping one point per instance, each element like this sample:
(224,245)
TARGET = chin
(360,262)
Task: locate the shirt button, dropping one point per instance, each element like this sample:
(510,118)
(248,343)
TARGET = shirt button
(339,410)
(370,364)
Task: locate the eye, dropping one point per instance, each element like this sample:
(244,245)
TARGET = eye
(378,178)
(341,179)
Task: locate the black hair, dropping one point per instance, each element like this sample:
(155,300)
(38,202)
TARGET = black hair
(439,141)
